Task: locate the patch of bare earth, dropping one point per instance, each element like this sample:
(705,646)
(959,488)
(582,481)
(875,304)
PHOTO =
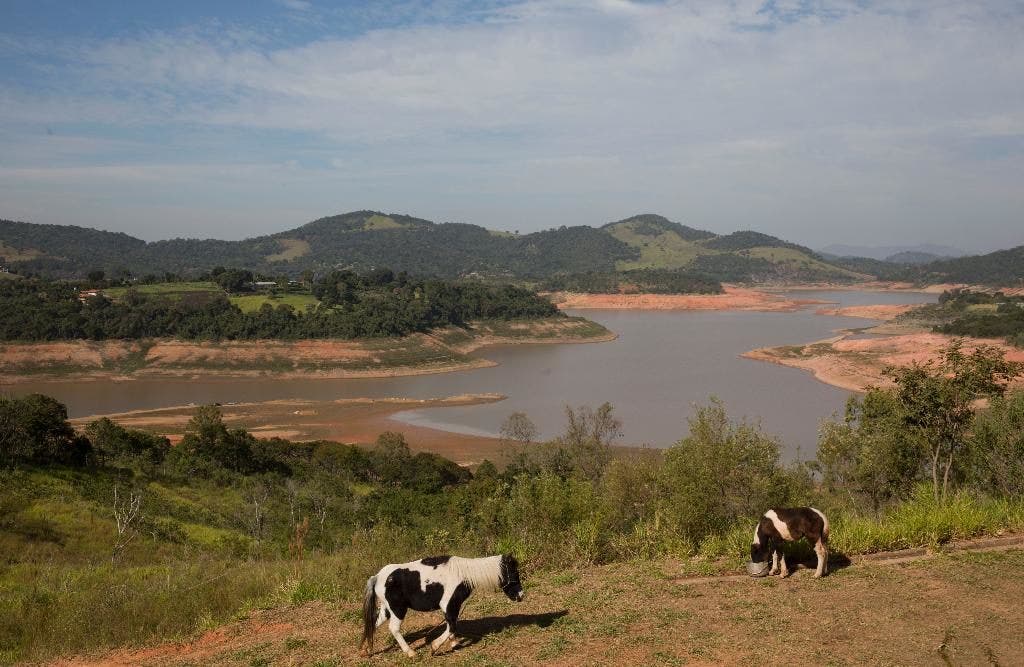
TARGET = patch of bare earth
(876,312)
(357,420)
(734,298)
(89,354)
(856,364)
(959,609)
(417,354)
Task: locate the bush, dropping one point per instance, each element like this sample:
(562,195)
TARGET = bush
(995,449)
(723,472)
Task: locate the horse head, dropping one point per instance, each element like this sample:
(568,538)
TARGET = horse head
(509,581)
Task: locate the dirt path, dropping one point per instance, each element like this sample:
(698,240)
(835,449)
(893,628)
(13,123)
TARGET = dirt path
(957,608)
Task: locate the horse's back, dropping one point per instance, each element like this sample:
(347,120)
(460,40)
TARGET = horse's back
(802,522)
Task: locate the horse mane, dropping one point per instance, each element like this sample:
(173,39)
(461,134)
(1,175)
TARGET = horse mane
(478,572)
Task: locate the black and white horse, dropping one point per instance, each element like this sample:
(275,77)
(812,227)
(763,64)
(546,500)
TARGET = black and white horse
(789,525)
(429,584)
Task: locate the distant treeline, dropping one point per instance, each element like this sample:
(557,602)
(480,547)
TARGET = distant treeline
(352,306)
(651,281)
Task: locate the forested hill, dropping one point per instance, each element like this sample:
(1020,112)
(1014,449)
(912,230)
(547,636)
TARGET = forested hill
(1003,268)
(365,240)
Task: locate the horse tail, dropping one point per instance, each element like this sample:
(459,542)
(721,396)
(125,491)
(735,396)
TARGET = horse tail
(369,611)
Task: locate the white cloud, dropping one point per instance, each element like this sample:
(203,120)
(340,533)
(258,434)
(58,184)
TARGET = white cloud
(613,102)
(296,5)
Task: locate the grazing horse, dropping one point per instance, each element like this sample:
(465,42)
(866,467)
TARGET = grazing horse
(435,583)
(789,525)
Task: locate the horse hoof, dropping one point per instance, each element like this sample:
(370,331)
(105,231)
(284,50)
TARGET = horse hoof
(411,653)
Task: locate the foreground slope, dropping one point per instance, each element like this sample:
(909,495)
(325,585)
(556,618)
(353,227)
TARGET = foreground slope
(958,609)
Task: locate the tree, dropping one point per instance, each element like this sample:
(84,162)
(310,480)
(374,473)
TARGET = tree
(995,448)
(723,471)
(588,438)
(208,437)
(35,429)
(518,428)
(869,453)
(936,401)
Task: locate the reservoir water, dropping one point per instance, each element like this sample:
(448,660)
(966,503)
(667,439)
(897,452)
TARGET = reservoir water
(662,364)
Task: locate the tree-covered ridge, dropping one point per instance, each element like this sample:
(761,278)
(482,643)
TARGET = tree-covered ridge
(746,240)
(378,304)
(879,269)
(62,248)
(1003,268)
(366,240)
(649,281)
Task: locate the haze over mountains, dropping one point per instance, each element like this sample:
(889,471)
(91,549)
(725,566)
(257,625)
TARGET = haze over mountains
(365,240)
(884,253)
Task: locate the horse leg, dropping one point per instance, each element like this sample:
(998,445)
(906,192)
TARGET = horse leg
(821,549)
(783,569)
(451,608)
(436,645)
(395,625)
(775,559)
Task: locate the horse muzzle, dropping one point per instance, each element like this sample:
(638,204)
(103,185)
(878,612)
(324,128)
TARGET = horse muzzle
(520,596)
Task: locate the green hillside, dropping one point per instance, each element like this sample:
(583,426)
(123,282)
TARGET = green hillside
(62,249)
(744,256)
(1003,268)
(366,240)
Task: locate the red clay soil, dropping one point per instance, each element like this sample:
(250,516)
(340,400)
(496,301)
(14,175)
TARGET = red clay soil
(734,298)
(357,421)
(856,364)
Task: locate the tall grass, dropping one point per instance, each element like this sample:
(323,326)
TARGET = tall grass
(49,610)
(920,521)
(923,521)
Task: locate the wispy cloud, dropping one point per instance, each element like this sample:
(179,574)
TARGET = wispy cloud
(803,118)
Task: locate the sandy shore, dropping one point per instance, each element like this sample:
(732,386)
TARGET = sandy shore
(883,312)
(857,364)
(734,298)
(440,351)
(355,421)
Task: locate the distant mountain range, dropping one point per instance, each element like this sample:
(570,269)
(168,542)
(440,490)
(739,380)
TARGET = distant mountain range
(364,240)
(894,253)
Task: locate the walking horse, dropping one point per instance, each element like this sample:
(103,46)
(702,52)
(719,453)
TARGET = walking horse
(429,584)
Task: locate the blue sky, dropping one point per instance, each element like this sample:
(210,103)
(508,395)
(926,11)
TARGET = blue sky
(818,121)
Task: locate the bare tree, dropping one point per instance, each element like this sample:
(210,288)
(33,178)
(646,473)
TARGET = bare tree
(588,438)
(258,497)
(126,514)
(518,428)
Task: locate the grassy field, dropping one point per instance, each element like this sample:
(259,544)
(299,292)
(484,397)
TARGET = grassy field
(252,302)
(11,254)
(798,260)
(378,221)
(958,609)
(290,249)
(165,289)
(196,566)
(664,251)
